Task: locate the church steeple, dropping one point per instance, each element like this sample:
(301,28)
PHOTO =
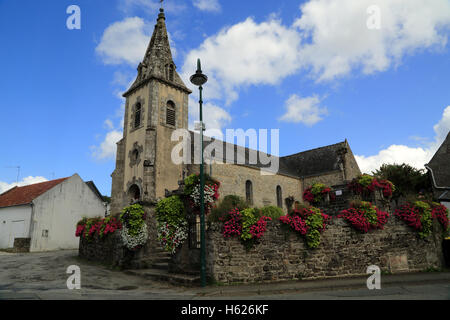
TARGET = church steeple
(158,62)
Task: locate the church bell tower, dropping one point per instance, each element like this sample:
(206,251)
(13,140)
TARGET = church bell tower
(156,105)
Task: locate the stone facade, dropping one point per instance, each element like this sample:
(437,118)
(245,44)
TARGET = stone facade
(144,159)
(282,255)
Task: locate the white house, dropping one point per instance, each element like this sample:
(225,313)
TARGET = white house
(47,213)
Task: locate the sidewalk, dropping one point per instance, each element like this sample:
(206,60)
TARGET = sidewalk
(325,284)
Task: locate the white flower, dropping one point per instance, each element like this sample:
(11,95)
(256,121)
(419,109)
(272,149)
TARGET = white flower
(172,236)
(208,194)
(132,242)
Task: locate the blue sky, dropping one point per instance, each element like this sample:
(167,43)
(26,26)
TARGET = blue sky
(313,69)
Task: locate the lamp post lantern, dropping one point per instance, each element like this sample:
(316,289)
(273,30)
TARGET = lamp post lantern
(199,79)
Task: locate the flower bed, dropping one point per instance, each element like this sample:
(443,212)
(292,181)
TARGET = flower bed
(366,184)
(308,222)
(134,232)
(87,228)
(364,216)
(247,224)
(172,226)
(420,214)
(131,223)
(316,193)
(192,189)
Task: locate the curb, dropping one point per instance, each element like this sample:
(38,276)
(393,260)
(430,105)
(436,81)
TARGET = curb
(303,286)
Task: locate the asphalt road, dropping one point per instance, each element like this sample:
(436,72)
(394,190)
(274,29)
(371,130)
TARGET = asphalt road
(43,276)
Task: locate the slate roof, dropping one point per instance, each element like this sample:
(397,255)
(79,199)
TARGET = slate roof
(94,189)
(440,168)
(316,161)
(24,195)
(303,164)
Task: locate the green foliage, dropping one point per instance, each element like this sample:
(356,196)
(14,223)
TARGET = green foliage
(250,216)
(228,203)
(317,188)
(314,223)
(370,211)
(365,180)
(133,217)
(191,181)
(425,218)
(407,179)
(272,212)
(170,210)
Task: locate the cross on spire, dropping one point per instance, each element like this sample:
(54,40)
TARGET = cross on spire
(161,1)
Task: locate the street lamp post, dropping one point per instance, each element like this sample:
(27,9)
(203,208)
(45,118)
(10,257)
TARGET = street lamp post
(199,79)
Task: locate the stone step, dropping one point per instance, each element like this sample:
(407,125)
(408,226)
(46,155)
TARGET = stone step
(161,260)
(165,276)
(160,265)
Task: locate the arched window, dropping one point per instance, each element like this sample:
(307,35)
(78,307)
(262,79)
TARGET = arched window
(135,154)
(137,115)
(249,192)
(171,72)
(170,113)
(134,193)
(279,197)
(166,71)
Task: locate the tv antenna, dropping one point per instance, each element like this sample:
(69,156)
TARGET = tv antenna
(18,173)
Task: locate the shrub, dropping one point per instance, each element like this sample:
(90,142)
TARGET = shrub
(172,224)
(366,184)
(272,212)
(134,231)
(418,216)
(228,204)
(440,212)
(247,224)
(316,193)
(364,216)
(192,189)
(88,227)
(307,222)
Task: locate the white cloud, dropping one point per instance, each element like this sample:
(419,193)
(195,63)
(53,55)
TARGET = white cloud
(25,181)
(338,41)
(107,148)
(247,53)
(330,39)
(416,157)
(207,5)
(303,110)
(125,42)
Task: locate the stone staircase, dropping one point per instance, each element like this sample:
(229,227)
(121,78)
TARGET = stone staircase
(158,270)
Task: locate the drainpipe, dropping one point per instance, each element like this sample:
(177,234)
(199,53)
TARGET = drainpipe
(31,229)
(434,180)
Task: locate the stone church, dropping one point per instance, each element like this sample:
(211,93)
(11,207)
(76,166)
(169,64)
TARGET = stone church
(157,104)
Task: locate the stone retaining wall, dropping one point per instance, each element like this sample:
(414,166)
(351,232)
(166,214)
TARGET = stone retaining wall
(109,250)
(343,251)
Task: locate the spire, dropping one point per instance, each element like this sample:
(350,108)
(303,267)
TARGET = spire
(158,61)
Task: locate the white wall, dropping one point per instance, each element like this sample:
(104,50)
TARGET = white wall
(446,203)
(58,211)
(14,223)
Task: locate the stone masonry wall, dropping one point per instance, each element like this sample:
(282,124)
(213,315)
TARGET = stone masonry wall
(109,250)
(282,255)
